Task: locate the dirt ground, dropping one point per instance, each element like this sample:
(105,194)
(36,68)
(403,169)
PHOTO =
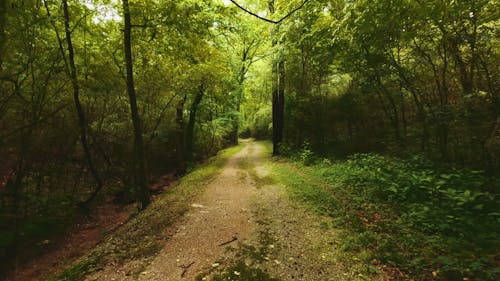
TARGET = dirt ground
(80,239)
(243,227)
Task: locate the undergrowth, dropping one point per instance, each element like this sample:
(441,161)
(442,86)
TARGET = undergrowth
(407,216)
(142,236)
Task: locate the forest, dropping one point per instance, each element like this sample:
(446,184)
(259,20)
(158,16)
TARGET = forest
(381,117)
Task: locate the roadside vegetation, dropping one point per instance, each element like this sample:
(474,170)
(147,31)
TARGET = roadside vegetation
(389,109)
(143,236)
(408,217)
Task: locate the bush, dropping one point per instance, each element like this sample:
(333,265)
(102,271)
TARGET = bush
(306,154)
(409,214)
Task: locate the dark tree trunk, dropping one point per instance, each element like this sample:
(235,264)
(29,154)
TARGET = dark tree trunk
(278,92)
(180,137)
(241,81)
(15,188)
(394,117)
(281,101)
(278,104)
(275,101)
(192,121)
(139,161)
(82,124)
(3,20)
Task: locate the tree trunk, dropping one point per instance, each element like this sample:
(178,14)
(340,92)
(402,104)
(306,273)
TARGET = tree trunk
(192,122)
(82,124)
(15,186)
(278,91)
(241,81)
(278,102)
(180,137)
(3,20)
(139,160)
(15,189)
(275,101)
(281,101)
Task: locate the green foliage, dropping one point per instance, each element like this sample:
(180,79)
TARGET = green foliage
(394,76)
(407,213)
(259,123)
(176,45)
(306,154)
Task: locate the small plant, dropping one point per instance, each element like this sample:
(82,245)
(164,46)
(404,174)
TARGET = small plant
(430,223)
(306,154)
(326,162)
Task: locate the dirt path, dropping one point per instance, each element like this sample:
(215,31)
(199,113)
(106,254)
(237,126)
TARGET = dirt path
(221,215)
(243,227)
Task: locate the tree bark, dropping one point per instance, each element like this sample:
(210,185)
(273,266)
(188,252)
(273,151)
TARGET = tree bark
(139,160)
(15,189)
(281,101)
(82,124)
(192,122)
(278,104)
(278,94)
(275,100)
(180,137)
(239,97)
(3,21)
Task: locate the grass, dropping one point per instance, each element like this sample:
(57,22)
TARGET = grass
(142,236)
(404,216)
(260,181)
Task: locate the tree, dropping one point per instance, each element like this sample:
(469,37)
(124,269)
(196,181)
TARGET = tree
(140,179)
(3,18)
(82,123)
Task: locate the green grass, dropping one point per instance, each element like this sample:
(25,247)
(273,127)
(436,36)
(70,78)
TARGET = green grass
(405,215)
(142,236)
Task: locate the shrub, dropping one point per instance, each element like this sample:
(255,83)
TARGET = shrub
(431,223)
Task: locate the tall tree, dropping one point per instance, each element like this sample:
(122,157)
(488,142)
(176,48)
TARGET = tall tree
(191,122)
(82,123)
(140,179)
(278,87)
(3,19)
(180,139)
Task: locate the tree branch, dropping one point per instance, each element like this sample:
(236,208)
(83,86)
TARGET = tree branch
(41,120)
(269,20)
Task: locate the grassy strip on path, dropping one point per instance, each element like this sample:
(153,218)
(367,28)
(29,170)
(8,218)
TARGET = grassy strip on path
(143,236)
(290,242)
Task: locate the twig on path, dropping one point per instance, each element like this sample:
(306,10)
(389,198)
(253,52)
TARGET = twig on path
(230,241)
(185,267)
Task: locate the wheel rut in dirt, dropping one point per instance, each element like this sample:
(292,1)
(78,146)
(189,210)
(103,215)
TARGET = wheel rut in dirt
(219,217)
(243,227)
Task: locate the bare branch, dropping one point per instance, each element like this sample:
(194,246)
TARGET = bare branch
(269,20)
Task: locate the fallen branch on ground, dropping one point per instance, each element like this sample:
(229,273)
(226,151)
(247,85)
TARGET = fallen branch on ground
(230,241)
(185,267)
